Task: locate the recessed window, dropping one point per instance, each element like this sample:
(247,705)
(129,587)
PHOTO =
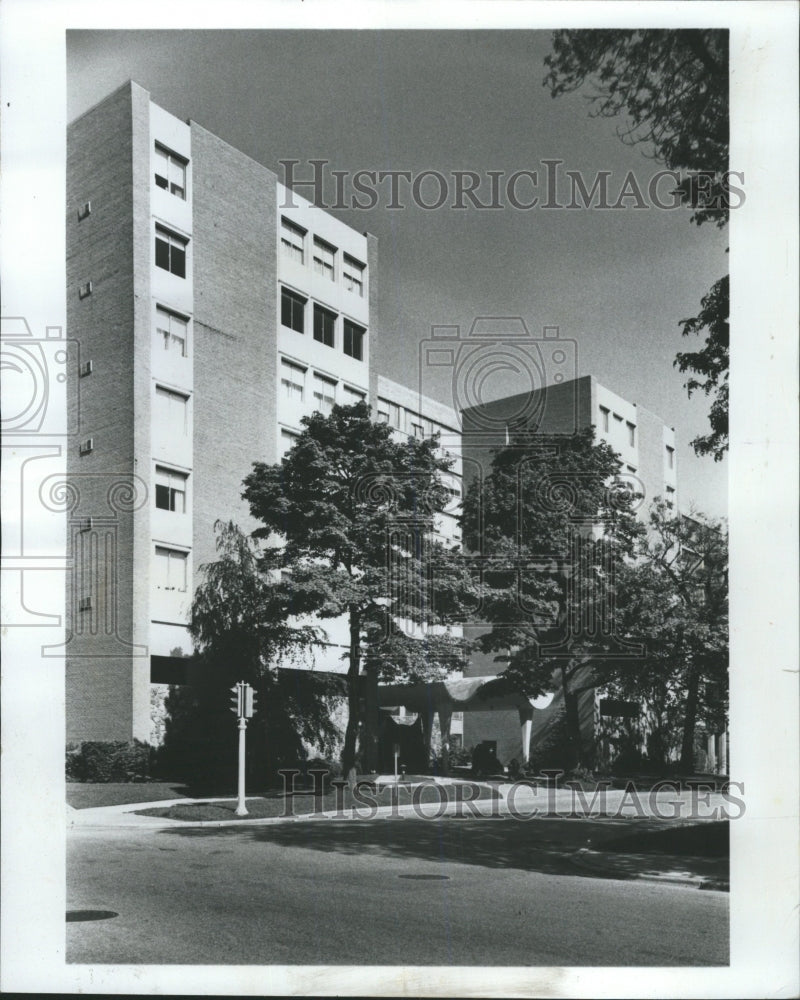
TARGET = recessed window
(170,569)
(324,259)
(172,332)
(671,497)
(631,433)
(324,393)
(171,490)
(353,275)
(171,172)
(172,411)
(417,430)
(293,310)
(353,340)
(352,396)
(293,380)
(324,325)
(293,241)
(383,416)
(604,414)
(288,440)
(617,419)
(670,457)
(171,252)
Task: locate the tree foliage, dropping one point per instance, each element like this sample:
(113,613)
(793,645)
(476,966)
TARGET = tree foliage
(674,599)
(672,87)
(241,632)
(551,525)
(354,511)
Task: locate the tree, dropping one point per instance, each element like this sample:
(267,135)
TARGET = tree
(672,85)
(240,629)
(674,599)
(355,513)
(550,526)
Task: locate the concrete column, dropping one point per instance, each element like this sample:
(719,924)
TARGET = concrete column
(723,753)
(445,718)
(526,724)
(711,755)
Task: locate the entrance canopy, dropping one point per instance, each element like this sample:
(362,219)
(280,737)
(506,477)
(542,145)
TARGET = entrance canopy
(463,694)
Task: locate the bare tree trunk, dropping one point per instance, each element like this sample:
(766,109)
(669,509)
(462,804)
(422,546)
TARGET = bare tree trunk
(353,694)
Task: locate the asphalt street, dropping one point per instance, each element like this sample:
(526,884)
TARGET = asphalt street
(383,892)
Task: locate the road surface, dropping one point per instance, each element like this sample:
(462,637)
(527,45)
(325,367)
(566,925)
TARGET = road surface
(384,892)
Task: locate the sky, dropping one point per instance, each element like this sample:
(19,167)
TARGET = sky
(615,282)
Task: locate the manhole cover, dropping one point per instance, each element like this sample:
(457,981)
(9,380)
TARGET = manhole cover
(427,878)
(74,915)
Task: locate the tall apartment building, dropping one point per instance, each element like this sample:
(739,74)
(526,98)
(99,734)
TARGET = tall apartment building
(213,309)
(646,447)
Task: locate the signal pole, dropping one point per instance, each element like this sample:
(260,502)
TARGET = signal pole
(243,704)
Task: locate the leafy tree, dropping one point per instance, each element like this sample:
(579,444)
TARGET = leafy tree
(550,525)
(240,628)
(355,512)
(674,599)
(672,86)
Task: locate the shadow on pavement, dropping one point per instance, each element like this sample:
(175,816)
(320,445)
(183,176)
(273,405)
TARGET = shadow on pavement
(540,845)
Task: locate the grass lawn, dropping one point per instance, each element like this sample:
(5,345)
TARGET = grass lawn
(305,803)
(88,794)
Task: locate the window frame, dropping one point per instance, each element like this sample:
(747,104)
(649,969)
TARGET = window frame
(167,331)
(172,396)
(605,414)
(349,331)
(323,380)
(324,313)
(173,492)
(291,250)
(292,368)
(181,559)
(353,272)
(296,300)
(322,266)
(177,251)
(173,159)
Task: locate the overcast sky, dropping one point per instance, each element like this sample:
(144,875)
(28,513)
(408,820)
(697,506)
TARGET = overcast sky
(615,282)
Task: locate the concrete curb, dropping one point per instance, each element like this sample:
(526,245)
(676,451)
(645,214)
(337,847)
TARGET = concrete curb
(610,865)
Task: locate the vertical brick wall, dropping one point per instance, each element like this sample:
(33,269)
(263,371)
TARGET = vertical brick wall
(100,250)
(235,319)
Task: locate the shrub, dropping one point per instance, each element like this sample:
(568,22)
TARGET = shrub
(104,761)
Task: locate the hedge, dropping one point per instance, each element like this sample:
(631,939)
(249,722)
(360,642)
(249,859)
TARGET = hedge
(108,761)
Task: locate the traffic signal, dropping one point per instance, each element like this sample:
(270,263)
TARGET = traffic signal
(249,702)
(237,699)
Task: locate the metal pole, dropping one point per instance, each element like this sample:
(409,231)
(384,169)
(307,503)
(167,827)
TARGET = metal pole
(241,808)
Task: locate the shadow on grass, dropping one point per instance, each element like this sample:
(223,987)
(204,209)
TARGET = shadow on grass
(539,845)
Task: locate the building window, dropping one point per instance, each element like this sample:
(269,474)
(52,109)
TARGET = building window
(383,416)
(353,275)
(353,341)
(171,172)
(172,410)
(631,433)
(671,497)
(171,252)
(670,457)
(324,393)
(172,331)
(324,324)
(293,241)
(417,430)
(604,417)
(288,441)
(293,380)
(324,259)
(293,310)
(352,396)
(170,490)
(618,419)
(170,569)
